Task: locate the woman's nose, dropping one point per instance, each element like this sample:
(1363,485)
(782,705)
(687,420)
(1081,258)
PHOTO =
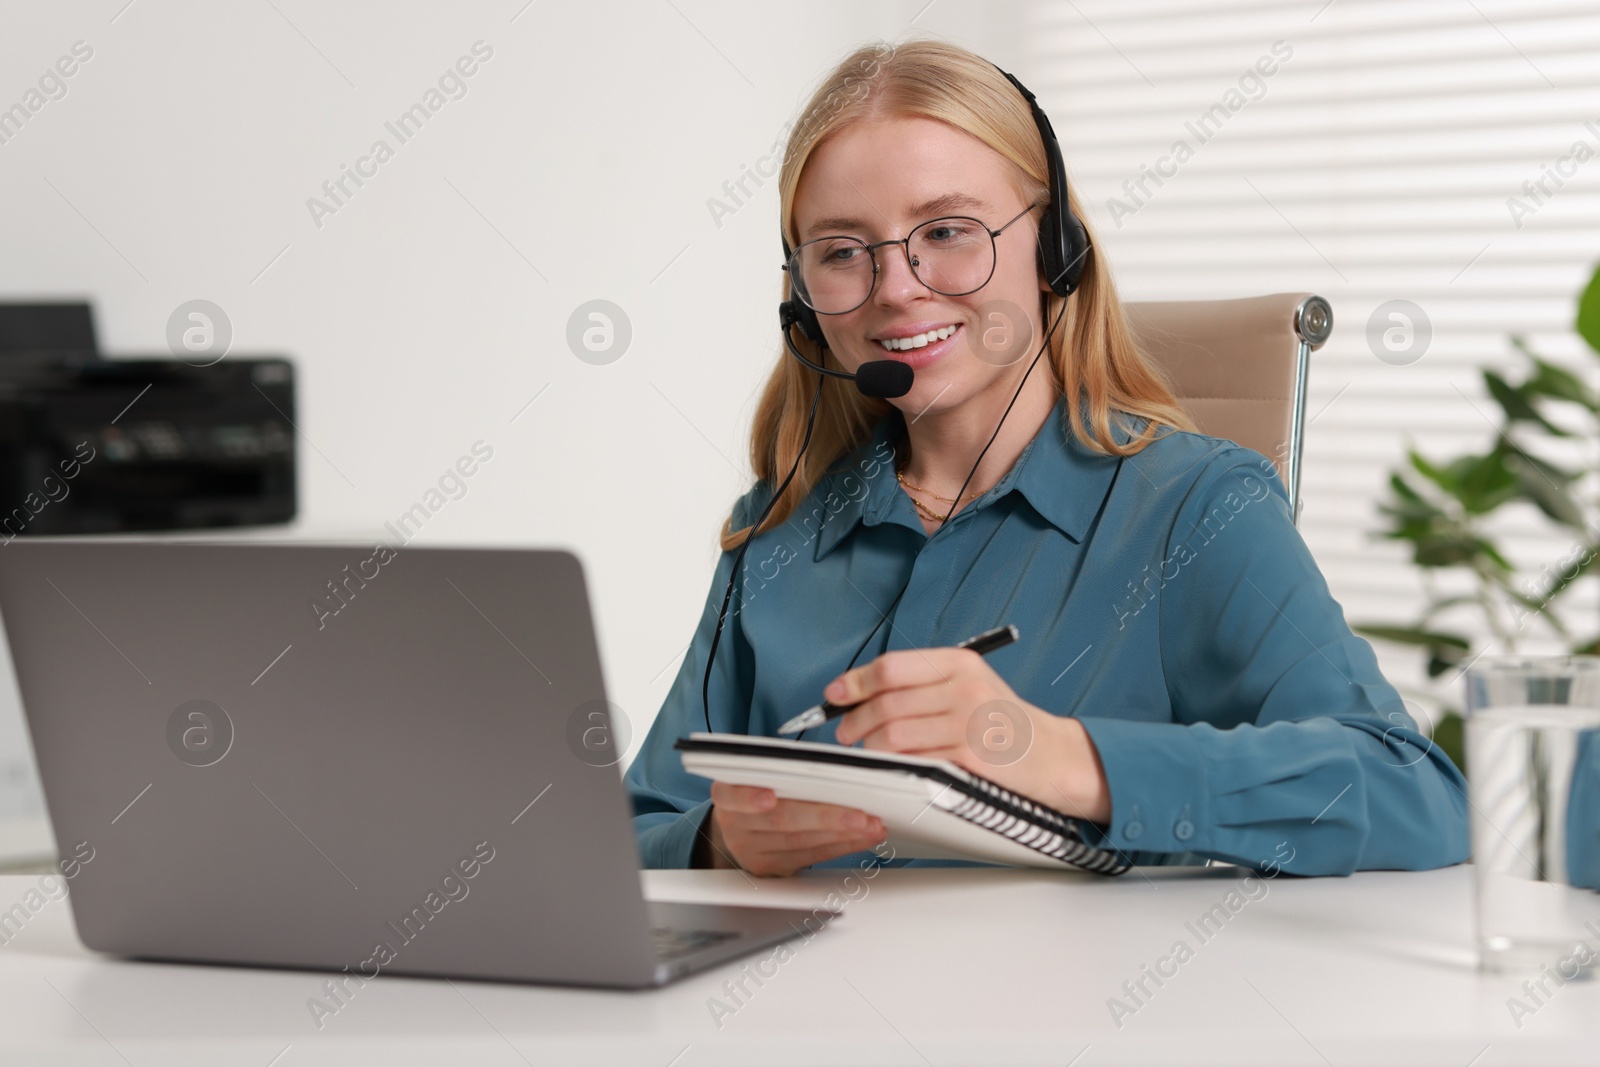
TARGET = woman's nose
(896,280)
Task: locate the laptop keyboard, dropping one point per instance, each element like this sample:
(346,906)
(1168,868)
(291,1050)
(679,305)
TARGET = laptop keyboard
(672,943)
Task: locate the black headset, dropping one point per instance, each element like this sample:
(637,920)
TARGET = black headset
(1063,248)
(1063,243)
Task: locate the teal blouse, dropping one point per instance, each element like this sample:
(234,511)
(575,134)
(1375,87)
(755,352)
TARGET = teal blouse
(1165,599)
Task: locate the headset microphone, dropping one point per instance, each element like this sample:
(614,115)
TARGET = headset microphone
(883,379)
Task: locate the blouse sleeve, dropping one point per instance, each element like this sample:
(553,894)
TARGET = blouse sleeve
(669,803)
(1288,746)
(1583,814)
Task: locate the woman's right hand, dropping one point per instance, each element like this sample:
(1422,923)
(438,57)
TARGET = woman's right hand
(752,828)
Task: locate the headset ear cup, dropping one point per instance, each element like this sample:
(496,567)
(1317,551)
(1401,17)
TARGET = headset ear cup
(810,328)
(1050,261)
(797,312)
(1061,251)
(1077,252)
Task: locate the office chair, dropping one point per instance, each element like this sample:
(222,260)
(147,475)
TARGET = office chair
(1238,367)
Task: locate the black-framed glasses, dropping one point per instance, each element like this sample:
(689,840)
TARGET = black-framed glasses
(953,255)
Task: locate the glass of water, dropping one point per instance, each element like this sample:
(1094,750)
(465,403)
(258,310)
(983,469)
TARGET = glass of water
(1533,757)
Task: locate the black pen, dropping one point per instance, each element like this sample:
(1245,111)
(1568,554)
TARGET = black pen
(982,644)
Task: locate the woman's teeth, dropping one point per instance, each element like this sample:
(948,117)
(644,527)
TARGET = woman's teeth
(921,340)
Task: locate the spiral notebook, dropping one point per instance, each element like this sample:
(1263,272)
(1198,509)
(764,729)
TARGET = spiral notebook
(931,809)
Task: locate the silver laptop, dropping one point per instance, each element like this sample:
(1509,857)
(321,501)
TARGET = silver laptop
(371,760)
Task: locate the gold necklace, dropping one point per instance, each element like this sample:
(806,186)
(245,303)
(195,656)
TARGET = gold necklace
(920,506)
(924,509)
(930,492)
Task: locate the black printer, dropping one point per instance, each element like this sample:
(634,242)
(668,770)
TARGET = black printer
(90,444)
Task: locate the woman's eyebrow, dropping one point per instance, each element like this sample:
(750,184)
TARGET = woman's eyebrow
(926,210)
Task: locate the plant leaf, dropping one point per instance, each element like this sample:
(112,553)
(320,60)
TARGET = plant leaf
(1409,635)
(1555,623)
(1560,383)
(1434,474)
(1589,312)
(1516,404)
(1550,498)
(1448,602)
(1559,475)
(1449,550)
(1586,559)
(1492,554)
(1409,505)
(1485,482)
(1403,490)
(1448,734)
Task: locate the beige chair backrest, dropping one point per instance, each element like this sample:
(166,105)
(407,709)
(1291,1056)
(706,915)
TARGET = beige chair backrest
(1239,367)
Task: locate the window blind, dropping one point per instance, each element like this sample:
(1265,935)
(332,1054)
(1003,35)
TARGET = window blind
(1441,152)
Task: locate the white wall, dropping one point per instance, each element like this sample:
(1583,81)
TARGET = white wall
(428,310)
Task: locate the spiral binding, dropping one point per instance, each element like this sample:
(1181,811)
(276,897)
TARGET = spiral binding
(1058,838)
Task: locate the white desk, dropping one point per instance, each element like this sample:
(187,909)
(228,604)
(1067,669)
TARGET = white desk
(925,967)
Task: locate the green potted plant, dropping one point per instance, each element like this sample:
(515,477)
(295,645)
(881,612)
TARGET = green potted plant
(1443,508)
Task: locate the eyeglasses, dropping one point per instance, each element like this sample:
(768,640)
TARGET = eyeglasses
(953,256)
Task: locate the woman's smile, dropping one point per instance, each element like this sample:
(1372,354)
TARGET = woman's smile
(921,348)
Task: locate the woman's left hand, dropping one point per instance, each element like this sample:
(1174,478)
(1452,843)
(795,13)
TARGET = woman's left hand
(948,703)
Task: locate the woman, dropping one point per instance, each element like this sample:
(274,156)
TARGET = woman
(1184,683)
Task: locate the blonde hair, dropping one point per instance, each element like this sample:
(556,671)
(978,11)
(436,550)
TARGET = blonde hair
(1093,358)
